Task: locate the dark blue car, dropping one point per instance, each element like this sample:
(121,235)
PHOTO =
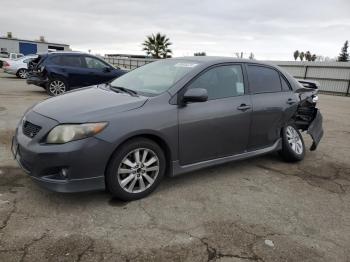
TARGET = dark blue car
(59,72)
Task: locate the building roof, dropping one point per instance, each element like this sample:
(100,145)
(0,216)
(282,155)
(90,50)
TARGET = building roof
(31,41)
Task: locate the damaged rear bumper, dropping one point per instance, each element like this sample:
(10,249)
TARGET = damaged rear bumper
(315,130)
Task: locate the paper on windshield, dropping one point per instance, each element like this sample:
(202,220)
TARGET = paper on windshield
(185,65)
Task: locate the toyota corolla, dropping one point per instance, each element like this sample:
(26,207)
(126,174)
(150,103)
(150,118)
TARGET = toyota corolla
(166,118)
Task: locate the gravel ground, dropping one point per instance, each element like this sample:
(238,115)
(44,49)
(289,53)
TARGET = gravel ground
(260,209)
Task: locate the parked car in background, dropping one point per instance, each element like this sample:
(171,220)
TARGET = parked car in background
(15,55)
(59,72)
(19,66)
(167,117)
(11,55)
(5,56)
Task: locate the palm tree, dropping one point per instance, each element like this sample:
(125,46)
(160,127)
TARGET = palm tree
(296,54)
(313,57)
(308,56)
(301,55)
(157,46)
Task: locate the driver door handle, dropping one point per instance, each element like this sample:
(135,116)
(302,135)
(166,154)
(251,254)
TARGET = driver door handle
(243,107)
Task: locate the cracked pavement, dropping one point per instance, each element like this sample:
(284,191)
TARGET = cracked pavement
(224,213)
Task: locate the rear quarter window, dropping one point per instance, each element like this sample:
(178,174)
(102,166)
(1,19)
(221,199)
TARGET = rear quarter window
(67,60)
(263,79)
(285,84)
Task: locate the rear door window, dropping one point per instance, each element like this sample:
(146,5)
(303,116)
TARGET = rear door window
(65,60)
(263,79)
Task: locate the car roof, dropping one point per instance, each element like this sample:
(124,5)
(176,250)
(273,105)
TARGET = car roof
(67,53)
(220,59)
(62,53)
(207,61)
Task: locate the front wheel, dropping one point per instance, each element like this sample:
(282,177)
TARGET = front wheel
(136,169)
(56,87)
(293,147)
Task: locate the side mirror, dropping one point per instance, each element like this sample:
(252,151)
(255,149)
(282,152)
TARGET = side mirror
(107,69)
(195,95)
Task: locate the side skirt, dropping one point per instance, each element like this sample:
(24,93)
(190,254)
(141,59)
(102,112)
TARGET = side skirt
(178,169)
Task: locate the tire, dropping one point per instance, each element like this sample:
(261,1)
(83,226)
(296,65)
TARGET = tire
(131,175)
(293,147)
(56,86)
(22,73)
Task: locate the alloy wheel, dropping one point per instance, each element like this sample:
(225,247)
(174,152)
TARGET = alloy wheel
(22,73)
(57,87)
(138,170)
(294,140)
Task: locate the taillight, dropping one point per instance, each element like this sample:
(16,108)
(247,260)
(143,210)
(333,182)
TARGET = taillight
(5,64)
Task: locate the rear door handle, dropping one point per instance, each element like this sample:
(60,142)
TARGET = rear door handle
(244,107)
(291,101)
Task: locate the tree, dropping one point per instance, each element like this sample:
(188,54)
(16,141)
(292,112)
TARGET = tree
(301,56)
(308,56)
(157,46)
(313,57)
(200,54)
(239,55)
(251,56)
(296,54)
(344,55)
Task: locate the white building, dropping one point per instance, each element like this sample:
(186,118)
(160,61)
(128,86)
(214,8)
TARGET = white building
(26,47)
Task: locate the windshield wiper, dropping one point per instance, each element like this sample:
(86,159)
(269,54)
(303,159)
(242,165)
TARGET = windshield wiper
(123,89)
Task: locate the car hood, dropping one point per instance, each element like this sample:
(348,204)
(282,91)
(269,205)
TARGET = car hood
(87,104)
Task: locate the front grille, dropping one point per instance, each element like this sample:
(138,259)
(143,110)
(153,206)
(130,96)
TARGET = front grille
(30,130)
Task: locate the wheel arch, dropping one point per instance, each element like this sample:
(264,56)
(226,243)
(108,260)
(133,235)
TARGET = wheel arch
(21,68)
(164,145)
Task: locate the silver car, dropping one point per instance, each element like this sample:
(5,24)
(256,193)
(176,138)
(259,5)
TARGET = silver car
(19,66)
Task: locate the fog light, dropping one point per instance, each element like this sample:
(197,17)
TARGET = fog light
(64,172)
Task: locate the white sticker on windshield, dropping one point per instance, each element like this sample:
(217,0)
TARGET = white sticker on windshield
(185,65)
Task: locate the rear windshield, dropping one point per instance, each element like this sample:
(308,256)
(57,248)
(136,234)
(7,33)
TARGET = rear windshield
(37,61)
(156,77)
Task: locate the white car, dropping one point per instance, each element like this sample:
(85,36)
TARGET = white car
(19,66)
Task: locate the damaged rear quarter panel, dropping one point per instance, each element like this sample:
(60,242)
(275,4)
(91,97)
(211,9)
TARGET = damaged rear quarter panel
(308,117)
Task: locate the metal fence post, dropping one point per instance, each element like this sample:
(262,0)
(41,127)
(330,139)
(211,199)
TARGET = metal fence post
(306,67)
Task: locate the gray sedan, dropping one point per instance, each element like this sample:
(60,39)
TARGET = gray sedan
(165,118)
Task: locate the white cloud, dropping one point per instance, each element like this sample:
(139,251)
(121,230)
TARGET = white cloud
(272,29)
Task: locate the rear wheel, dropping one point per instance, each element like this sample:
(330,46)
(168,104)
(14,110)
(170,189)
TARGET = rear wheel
(22,73)
(136,169)
(293,147)
(56,87)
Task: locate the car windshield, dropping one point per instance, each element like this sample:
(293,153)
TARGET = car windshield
(156,77)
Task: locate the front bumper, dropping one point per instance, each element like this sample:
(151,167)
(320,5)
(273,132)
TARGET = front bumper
(83,161)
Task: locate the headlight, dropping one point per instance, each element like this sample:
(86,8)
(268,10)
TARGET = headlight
(65,133)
